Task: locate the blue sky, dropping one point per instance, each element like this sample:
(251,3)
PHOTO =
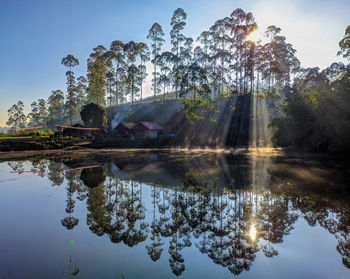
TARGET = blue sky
(36,34)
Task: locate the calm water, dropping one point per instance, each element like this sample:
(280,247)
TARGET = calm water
(168,215)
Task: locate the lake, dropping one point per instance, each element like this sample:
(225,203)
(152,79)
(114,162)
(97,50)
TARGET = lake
(174,214)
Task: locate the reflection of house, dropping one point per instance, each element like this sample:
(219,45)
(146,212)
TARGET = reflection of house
(138,130)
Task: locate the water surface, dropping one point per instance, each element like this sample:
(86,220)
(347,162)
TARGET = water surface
(167,215)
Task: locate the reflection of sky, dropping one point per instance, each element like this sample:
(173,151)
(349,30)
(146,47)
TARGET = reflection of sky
(33,241)
(37,34)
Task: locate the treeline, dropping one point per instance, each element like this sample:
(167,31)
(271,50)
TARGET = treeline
(316,113)
(223,61)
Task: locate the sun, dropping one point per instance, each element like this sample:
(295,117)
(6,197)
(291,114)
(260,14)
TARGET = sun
(256,36)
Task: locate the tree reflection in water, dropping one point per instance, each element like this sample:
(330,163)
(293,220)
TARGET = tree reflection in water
(228,224)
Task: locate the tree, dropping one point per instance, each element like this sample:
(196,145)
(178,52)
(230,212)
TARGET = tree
(34,114)
(82,92)
(178,22)
(16,116)
(110,82)
(155,35)
(164,62)
(144,57)
(93,115)
(71,101)
(117,58)
(39,113)
(133,79)
(56,106)
(98,66)
(344,44)
(220,56)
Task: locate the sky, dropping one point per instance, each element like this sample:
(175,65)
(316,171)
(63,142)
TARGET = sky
(37,34)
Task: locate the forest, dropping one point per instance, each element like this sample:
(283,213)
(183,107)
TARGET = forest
(309,107)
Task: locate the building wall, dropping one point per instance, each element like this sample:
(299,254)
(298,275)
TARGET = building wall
(153,134)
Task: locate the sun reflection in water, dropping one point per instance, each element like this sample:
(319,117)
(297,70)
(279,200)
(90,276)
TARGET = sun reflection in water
(252,232)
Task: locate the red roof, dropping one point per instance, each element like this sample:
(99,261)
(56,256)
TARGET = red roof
(129,125)
(151,125)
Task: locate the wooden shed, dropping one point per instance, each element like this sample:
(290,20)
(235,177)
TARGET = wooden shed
(153,130)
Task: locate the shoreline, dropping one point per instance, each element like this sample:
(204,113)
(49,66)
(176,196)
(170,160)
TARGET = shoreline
(86,151)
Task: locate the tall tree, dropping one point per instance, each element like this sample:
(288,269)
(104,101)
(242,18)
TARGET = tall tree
(117,57)
(16,115)
(131,50)
(81,92)
(39,113)
(220,55)
(344,44)
(110,83)
(144,57)
(178,22)
(155,35)
(71,101)
(98,66)
(56,106)
(164,61)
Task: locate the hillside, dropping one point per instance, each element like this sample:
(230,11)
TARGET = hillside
(227,126)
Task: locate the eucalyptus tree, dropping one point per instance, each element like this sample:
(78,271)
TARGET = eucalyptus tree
(334,71)
(71,107)
(81,92)
(220,56)
(186,54)
(280,56)
(131,50)
(98,66)
(117,57)
(271,32)
(110,83)
(164,61)
(205,40)
(71,100)
(56,106)
(178,23)
(33,116)
(39,113)
(261,64)
(344,44)
(144,57)
(155,35)
(133,80)
(240,24)
(17,118)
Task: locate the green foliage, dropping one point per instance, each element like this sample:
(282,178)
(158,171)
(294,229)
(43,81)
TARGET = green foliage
(344,44)
(316,119)
(93,115)
(16,115)
(25,133)
(195,107)
(98,65)
(56,106)
(71,100)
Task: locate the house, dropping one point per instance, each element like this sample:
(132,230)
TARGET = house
(124,131)
(137,130)
(153,130)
